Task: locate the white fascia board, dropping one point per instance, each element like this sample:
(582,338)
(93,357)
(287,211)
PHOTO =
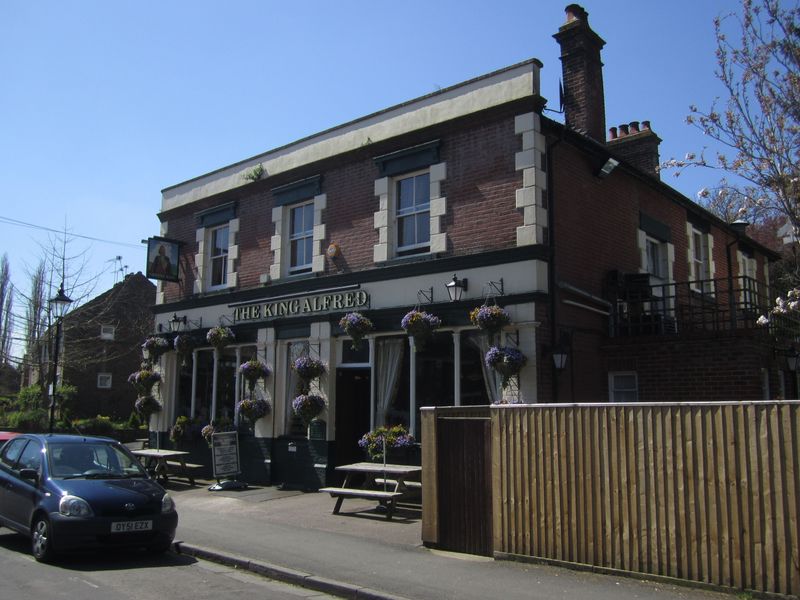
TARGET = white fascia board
(495,89)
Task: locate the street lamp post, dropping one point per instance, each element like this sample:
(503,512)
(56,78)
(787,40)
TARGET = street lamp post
(58,305)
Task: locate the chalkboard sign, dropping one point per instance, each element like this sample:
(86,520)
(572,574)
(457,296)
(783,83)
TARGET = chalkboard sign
(225,452)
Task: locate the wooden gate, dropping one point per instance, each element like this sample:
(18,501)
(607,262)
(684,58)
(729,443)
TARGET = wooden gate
(464,484)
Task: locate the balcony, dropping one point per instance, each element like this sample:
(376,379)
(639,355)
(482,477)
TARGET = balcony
(640,307)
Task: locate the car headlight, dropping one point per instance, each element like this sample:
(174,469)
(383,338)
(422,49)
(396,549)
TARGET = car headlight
(72,506)
(167,505)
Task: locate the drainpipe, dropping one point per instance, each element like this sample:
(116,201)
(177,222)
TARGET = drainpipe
(551,270)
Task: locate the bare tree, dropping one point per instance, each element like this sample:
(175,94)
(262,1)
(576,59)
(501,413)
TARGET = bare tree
(6,315)
(758,123)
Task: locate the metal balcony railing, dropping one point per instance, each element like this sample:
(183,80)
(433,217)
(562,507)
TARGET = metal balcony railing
(712,305)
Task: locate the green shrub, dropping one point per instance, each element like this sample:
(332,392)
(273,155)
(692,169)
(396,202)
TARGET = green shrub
(30,398)
(98,425)
(35,420)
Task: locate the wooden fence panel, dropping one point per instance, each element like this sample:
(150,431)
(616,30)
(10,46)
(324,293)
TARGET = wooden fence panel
(707,491)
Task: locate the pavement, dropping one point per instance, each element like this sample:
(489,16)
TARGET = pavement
(293,536)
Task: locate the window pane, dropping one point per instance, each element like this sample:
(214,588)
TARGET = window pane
(422,188)
(405,194)
(406,231)
(219,241)
(423,228)
(218,270)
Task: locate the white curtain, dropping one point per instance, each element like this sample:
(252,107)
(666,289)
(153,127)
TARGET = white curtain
(491,378)
(389,363)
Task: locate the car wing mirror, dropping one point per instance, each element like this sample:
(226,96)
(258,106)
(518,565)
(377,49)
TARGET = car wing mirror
(31,475)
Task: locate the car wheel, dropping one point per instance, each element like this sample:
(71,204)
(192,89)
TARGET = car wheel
(42,540)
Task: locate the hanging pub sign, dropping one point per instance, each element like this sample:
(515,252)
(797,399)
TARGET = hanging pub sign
(162,259)
(301,305)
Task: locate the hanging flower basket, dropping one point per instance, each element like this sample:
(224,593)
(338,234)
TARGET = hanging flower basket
(308,406)
(252,371)
(216,426)
(490,318)
(420,325)
(146,406)
(219,337)
(506,361)
(184,430)
(183,344)
(308,368)
(154,346)
(144,380)
(356,326)
(396,436)
(254,409)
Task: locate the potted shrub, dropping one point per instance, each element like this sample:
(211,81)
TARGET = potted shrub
(356,326)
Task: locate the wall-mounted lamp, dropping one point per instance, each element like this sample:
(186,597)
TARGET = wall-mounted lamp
(425,296)
(456,288)
(792,357)
(177,323)
(559,357)
(608,166)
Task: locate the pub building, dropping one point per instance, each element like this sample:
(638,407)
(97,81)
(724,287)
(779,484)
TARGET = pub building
(466,197)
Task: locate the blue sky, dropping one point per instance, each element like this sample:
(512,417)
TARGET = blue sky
(103,104)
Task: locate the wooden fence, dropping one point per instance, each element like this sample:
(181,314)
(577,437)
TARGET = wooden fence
(706,492)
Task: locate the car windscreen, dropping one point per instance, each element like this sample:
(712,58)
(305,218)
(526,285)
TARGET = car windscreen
(92,460)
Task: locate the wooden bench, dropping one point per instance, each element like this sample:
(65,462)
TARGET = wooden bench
(393,482)
(176,467)
(387,499)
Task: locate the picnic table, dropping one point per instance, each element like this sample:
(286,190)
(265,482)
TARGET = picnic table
(385,483)
(158,461)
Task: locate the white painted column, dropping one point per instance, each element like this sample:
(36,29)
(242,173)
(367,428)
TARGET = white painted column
(372,379)
(193,409)
(457,367)
(412,392)
(237,386)
(213,414)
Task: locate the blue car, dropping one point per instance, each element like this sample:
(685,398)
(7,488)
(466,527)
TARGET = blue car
(69,492)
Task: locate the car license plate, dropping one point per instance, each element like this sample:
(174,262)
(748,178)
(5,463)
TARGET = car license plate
(128,526)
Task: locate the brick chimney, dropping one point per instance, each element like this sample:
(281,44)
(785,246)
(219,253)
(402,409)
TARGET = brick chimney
(637,144)
(584,102)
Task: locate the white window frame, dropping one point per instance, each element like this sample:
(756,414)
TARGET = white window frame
(613,389)
(656,257)
(107,332)
(700,253)
(307,235)
(415,212)
(223,257)
(102,376)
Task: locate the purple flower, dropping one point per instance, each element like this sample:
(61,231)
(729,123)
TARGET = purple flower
(308,368)
(308,406)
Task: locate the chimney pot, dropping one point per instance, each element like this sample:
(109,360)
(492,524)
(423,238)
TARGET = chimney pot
(575,12)
(613,133)
(634,125)
(646,124)
(623,130)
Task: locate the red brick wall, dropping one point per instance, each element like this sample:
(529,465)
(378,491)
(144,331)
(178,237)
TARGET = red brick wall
(479,188)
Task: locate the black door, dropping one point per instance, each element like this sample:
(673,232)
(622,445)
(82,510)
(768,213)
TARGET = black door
(352,414)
